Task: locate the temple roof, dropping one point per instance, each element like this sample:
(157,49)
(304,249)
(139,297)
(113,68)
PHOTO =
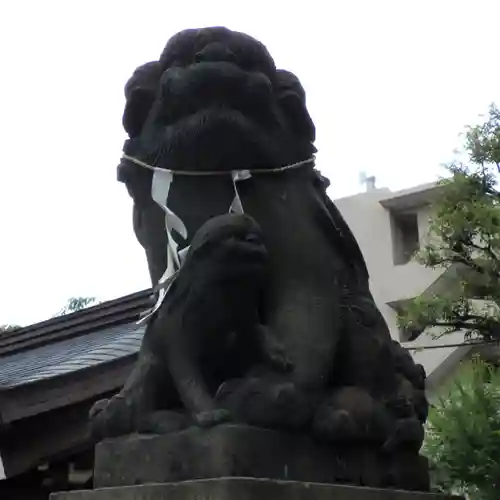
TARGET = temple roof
(69,355)
(52,372)
(69,347)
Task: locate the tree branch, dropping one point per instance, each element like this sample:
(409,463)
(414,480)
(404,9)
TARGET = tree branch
(488,250)
(486,327)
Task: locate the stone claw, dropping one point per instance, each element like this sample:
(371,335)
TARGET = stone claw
(280,360)
(211,418)
(274,352)
(408,433)
(339,426)
(98,407)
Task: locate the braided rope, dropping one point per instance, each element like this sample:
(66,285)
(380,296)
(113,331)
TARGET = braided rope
(218,172)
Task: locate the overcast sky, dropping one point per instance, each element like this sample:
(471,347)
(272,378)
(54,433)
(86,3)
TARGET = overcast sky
(390,86)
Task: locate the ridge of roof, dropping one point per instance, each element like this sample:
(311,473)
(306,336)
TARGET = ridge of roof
(414,196)
(112,312)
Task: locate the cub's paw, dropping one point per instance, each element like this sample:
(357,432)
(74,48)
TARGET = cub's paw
(278,359)
(273,351)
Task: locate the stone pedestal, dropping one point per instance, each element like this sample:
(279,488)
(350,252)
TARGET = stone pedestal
(245,489)
(243,451)
(247,463)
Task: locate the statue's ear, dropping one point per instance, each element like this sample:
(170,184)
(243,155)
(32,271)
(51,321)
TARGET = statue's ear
(140,93)
(291,98)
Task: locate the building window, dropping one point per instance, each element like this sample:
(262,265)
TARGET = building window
(405,237)
(409,334)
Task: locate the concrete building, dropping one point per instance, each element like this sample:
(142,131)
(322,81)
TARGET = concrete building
(389,227)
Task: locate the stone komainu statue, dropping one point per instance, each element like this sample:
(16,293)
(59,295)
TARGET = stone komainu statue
(264,315)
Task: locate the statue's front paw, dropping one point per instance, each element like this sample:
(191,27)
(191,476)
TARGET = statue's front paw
(338,426)
(350,415)
(110,418)
(267,401)
(211,418)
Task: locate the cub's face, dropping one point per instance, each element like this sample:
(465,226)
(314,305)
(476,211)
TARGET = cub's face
(227,249)
(225,269)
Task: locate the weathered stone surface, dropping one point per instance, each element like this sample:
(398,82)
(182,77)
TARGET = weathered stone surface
(245,489)
(214,102)
(301,348)
(243,451)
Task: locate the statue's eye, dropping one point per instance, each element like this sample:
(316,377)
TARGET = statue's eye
(252,238)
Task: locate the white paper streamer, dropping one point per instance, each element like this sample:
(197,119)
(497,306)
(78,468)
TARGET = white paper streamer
(238,175)
(160,187)
(2,470)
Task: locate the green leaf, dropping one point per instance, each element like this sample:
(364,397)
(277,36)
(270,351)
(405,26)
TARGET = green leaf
(77,304)
(463,433)
(464,232)
(463,429)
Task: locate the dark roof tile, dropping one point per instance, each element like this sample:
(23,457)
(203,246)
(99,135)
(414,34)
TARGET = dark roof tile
(69,355)
(80,324)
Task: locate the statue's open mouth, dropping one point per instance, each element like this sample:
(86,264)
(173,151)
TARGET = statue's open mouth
(215,86)
(210,125)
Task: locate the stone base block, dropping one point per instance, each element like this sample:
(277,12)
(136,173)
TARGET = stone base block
(244,489)
(243,451)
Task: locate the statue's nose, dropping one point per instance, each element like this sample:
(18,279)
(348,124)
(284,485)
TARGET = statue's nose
(215,52)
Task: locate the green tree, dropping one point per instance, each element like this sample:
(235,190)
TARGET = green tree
(8,328)
(463,434)
(464,239)
(77,304)
(72,305)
